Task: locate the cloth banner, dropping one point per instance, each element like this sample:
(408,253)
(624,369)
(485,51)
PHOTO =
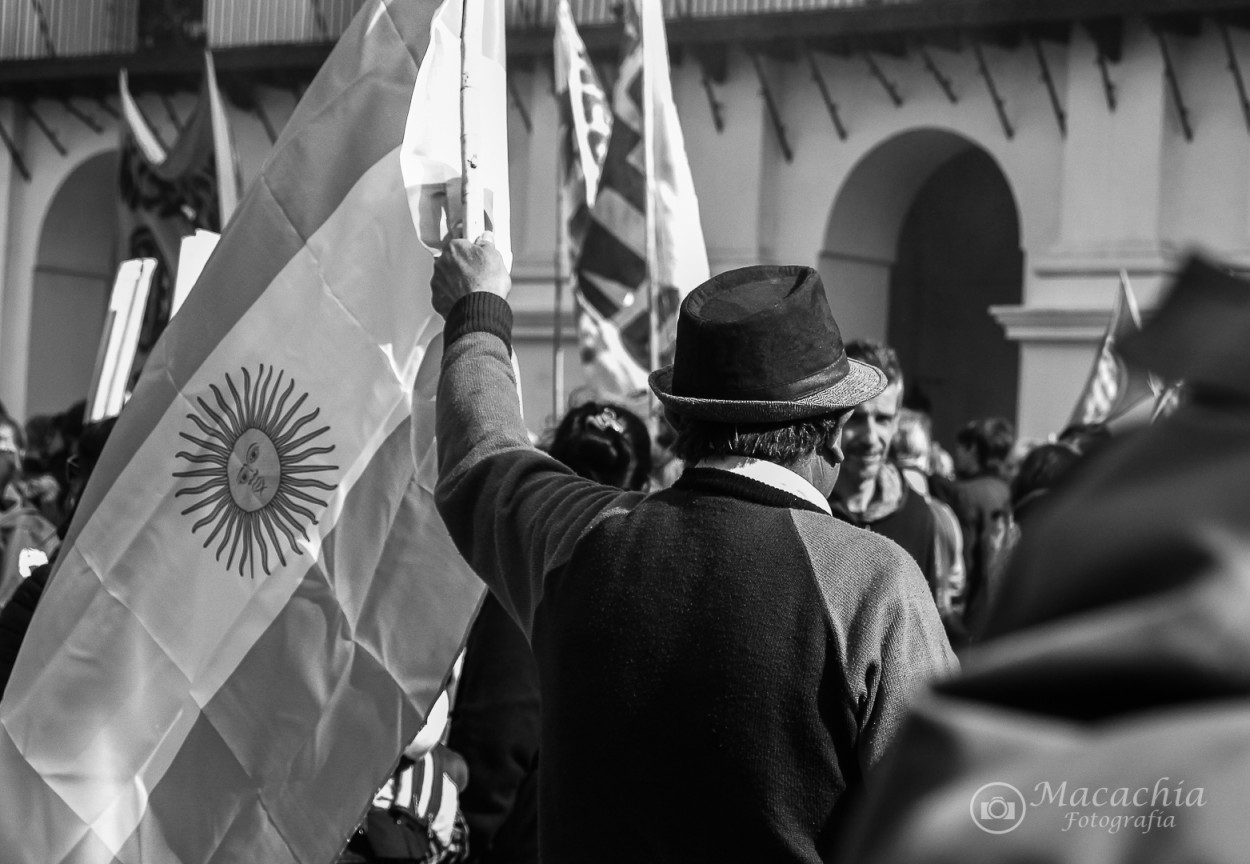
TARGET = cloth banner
(173,190)
(612,269)
(257,602)
(1115,387)
(169,192)
(585,128)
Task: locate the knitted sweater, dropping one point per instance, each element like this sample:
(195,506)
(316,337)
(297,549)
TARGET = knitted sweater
(719,662)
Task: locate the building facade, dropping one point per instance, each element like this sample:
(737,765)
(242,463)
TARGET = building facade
(970,178)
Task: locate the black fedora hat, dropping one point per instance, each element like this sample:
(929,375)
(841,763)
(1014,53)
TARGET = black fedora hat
(759,345)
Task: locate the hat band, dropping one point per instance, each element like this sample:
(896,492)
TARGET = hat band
(784,391)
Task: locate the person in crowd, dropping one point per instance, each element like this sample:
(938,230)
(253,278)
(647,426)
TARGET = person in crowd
(498,704)
(15,615)
(43,483)
(1086,438)
(27,537)
(415,817)
(603,442)
(721,661)
(912,451)
(50,441)
(870,492)
(981,498)
(1039,472)
(1112,691)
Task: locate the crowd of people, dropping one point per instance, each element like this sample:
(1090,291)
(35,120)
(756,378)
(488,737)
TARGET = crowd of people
(719,630)
(44,466)
(706,629)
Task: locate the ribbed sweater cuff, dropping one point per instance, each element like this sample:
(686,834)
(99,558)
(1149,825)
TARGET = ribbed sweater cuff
(479,312)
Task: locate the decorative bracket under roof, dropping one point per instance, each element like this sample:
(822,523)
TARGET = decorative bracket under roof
(713,67)
(999,106)
(830,105)
(14,154)
(1108,37)
(1060,115)
(1234,69)
(943,81)
(1174,85)
(890,88)
(86,119)
(29,108)
(770,103)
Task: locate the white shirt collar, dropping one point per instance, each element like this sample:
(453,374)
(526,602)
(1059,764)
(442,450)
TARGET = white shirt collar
(770,474)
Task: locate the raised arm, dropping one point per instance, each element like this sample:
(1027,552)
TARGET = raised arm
(513,512)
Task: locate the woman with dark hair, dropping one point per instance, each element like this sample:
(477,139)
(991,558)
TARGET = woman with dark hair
(984,448)
(496,719)
(605,443)
(1039,471)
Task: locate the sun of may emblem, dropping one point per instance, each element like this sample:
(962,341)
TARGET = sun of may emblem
(257,459)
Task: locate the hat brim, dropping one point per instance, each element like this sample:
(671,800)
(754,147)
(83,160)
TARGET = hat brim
(861,383)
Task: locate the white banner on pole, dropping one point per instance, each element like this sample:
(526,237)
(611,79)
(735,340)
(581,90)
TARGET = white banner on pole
(120,338)
(192,257)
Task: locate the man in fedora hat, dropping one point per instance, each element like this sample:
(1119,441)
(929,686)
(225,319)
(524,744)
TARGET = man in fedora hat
(722,661)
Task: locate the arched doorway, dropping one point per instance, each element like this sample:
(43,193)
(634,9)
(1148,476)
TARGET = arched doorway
(923,238)
(70,289)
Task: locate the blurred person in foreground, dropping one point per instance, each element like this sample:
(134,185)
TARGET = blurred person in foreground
(912,452)
(1110,715)
(721,661)
(870,491)
(498,702)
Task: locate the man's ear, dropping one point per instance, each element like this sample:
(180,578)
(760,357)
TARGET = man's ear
(833,442)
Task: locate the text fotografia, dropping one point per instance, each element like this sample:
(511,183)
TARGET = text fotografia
(1095,807)
(1000,808)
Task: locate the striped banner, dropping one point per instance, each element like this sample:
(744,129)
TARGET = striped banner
(257,601)
(1113,388)
(612,270)
(585,127)
(193,183)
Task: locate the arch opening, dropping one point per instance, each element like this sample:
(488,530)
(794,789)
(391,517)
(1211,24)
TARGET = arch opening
(70,286)
(923,237)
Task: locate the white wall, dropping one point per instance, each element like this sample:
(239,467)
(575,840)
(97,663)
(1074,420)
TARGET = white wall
(1123,189)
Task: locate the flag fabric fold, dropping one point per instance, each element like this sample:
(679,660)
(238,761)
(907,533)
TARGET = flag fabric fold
(613,268)
(1115,387)
(257,602)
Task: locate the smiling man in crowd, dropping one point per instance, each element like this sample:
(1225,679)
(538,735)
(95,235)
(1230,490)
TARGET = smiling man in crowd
(870,492)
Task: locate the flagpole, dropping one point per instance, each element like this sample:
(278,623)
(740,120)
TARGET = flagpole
(1127,288)
(471,24)
(648,139)
(561,267)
